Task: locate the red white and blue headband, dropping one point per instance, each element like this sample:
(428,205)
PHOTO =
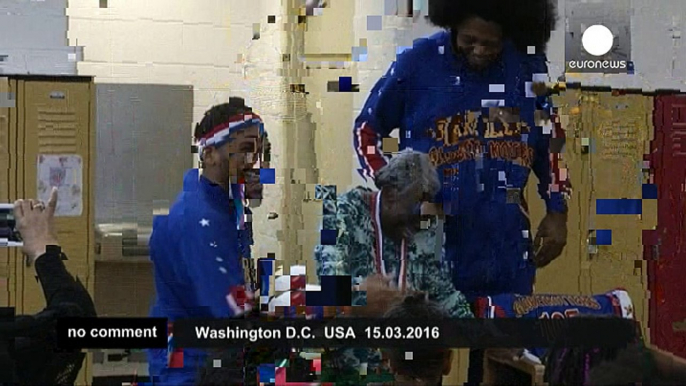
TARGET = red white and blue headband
(220,134)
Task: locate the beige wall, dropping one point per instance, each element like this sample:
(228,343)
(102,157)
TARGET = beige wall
(327,51)
(204,43)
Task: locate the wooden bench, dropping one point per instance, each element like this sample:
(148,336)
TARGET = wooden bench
(499,370)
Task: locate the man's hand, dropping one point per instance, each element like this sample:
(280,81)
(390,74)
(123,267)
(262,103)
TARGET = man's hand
(35,223)
(551,238)
(381,295)
(539,88)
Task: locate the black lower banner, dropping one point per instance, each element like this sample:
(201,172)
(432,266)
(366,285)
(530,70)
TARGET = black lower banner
(385,333)
(345,332)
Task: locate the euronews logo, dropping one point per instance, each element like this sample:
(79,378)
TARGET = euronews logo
(598,37)
(597,41)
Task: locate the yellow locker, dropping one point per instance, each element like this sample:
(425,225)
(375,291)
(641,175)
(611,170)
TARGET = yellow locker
(55,124)
(622,129)
(607,136)
(55,120)
(8,187)
(5,154)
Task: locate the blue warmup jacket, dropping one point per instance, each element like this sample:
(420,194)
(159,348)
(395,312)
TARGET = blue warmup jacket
(616,302)
(196,259)
(440,107)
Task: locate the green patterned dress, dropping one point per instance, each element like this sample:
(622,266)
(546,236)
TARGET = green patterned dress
(350,214)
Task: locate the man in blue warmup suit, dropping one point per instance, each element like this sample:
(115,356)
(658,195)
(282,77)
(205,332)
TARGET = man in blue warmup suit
(470,97)
(196,249)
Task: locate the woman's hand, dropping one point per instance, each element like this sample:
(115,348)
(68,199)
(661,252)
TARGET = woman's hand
(381,295)
(432,209)
(35,224)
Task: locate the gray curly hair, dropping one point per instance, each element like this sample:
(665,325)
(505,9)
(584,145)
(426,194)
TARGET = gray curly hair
(408,167)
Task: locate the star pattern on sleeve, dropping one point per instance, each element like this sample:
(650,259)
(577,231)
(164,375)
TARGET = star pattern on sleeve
(239,298)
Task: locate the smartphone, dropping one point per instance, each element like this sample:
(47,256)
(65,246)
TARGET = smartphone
(9,236)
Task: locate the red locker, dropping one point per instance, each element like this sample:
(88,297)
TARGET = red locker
(664,247)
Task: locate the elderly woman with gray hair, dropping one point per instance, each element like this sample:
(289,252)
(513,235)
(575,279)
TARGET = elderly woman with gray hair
(387,242)
(388,236)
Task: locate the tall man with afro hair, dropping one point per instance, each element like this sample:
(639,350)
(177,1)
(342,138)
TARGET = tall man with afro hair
(473,97)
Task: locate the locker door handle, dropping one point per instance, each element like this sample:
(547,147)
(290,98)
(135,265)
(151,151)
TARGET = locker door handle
(591,247)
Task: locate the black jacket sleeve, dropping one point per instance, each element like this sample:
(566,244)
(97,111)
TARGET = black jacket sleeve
(61,289)
(64,296)
(31,339)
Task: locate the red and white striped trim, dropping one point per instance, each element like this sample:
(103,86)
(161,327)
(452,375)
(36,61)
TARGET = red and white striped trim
(560,180)
(371,161)
(220,132)
(239,300)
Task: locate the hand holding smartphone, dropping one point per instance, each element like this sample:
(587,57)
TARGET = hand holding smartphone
(9,235)
(29,224)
